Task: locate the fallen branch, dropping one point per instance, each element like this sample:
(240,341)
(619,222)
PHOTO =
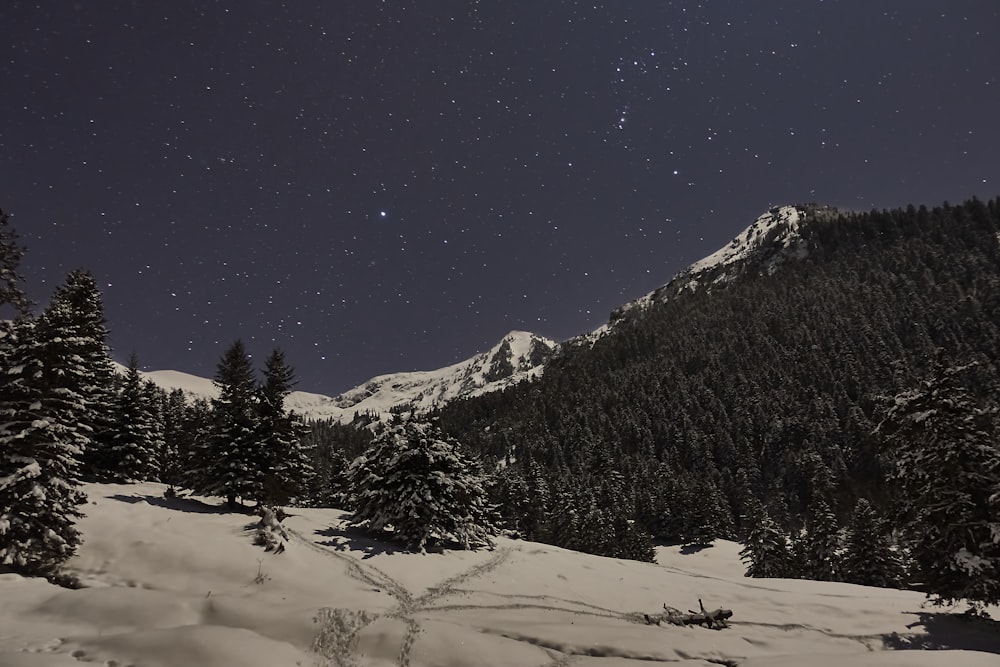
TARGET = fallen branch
(714,620)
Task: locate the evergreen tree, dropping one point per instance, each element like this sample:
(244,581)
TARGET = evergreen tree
(330,486)
(154,400)
(288,468)
(134,440)
(41,440)
(11,253)
(765,552)
(539,499)
(508,490)
(420,483)
(194,443)
(173,411)
(631,541)
(869,558)
(821,543)
(236,461)
(76,348)
(942,438)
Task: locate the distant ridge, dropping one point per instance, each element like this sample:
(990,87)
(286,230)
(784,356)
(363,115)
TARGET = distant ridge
(518,356)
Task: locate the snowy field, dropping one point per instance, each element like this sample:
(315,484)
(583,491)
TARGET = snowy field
(179,583)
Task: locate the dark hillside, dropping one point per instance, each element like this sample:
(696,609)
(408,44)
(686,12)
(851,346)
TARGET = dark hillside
(766,388)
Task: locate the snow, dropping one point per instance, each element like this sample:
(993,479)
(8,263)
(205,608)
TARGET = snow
(179,582)
(786,217)
(777,229)
(422,390)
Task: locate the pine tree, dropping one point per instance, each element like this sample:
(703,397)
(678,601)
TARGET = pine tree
(236,461)
(330,485)
(288,468)
(173,415)
(631,541)
(40,445)
(869,558)
(134,439)
(765,552)
(79,360)
(537,520)
(11,253)
(942,439)
(420,483)
(154,400)
(508,490)
(194,442)
(821,543)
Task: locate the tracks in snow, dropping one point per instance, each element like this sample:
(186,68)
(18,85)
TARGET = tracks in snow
(339,628)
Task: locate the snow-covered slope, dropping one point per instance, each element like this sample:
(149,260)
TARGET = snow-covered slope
(770,241)
(177,581)
(518,356)
(777,229)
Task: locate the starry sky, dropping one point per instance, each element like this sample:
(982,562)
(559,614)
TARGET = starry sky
(381,186)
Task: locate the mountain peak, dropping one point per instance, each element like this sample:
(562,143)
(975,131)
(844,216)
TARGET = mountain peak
(770,241)
(779,228)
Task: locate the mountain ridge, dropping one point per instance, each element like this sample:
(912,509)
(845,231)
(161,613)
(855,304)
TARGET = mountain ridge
(518,356)
(771,240)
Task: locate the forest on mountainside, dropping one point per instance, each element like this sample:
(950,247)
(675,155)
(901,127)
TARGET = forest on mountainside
(761,394)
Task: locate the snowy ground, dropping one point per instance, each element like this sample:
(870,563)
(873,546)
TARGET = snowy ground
(179,583)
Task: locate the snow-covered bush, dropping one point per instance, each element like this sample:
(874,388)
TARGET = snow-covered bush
(270,533)
(419,483)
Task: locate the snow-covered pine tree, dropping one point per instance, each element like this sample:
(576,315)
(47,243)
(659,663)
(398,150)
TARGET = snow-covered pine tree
(941,439)
(418,482)
(154,398)
(537,523)
(172,411)
(40,445)
(78,360)
(765,552)
(821,543)
(193,442)
(869,558)
(11,293)
(288,467)
(706,513)
(235,459)
(134,439)
(329,486)
(632,541)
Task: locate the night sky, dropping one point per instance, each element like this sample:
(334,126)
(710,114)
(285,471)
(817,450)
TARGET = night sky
(388,186)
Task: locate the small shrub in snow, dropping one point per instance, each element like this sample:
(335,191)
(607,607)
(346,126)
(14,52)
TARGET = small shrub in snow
(270,533)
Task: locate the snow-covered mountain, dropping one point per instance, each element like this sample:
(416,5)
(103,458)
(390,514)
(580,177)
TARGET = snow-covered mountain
(518,356)
(770,241)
